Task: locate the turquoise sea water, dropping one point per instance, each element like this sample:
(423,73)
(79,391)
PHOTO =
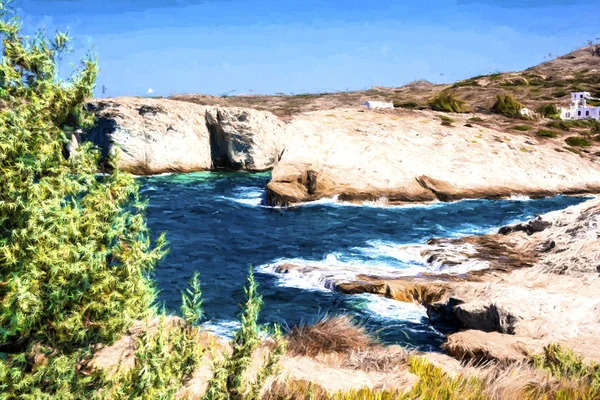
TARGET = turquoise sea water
(216,224)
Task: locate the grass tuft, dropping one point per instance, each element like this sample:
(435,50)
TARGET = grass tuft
(522,128)
(476,119)
(447,121)
(507,105)
(447,101)
(329,335)
(548,110)
(406,104)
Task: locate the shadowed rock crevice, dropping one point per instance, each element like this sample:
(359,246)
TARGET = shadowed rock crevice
(218,145)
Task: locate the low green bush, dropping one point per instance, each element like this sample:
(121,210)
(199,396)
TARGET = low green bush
(548,133)
(407,104)
(230,380)
(507,105)
(476,119)
(446,121)
(447,101)
(522,128)
(577,141)
(560,93)
(548,110)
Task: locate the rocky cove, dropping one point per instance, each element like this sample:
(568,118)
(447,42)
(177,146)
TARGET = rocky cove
(349,153)
(507,295)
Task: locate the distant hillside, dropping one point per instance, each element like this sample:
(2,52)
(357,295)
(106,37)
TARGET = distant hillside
(549,82)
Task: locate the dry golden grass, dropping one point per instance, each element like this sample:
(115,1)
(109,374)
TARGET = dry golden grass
(420,293)
(377,358)
(329,335)
(295,390)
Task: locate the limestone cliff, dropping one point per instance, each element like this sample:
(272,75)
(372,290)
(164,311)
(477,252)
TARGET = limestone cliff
(411,156)
(154,136)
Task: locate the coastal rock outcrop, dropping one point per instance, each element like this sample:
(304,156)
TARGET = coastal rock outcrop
(245,139)
(154,136)
(409,156)
(523,290)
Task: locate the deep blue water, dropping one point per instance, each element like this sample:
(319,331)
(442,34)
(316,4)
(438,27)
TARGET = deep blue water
(216,225)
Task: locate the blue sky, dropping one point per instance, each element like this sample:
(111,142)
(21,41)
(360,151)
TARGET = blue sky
(299,46)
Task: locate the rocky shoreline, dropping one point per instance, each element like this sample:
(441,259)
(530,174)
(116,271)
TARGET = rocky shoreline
(530,288)
(349,154)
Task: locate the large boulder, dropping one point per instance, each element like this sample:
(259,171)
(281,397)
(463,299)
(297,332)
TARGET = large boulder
(245,139)
(154,136)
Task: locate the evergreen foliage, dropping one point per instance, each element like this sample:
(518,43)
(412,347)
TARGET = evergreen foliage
(75,252)
(548,110)
(191,301)
(165,359)
(230,380)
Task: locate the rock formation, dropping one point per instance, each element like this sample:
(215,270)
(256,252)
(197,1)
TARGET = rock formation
(523,295)
(244,139)
(154,136)
(410,156)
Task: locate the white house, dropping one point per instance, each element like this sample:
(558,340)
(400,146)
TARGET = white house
(579,108)
(372,105)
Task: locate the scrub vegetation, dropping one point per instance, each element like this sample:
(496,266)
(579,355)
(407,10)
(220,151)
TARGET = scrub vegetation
(507,105)
(76,254)
(76,259)
(447,101)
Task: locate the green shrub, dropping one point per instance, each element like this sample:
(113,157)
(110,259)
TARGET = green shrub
(165,359)
(560,93)
(522,128)
(577,141)
(548,110)
(507,105)
(230,380)
(407,104)
(566,125)
(446,121)
(547,133)
(563,363)
(75,249)
(447,101)
(593,103)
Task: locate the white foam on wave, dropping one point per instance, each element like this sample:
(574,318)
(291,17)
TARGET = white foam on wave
(388,309)
(519,197)
(382,202)
(222,329)
(324,274)
(414,258)
(148,189)
(379,259)
(249,196)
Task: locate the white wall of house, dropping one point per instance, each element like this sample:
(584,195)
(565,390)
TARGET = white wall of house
(579,108)
(372,105)
(580,113)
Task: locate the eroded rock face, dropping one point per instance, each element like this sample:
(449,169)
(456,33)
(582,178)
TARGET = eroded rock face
(410,157)
(244,139)
(154,136)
